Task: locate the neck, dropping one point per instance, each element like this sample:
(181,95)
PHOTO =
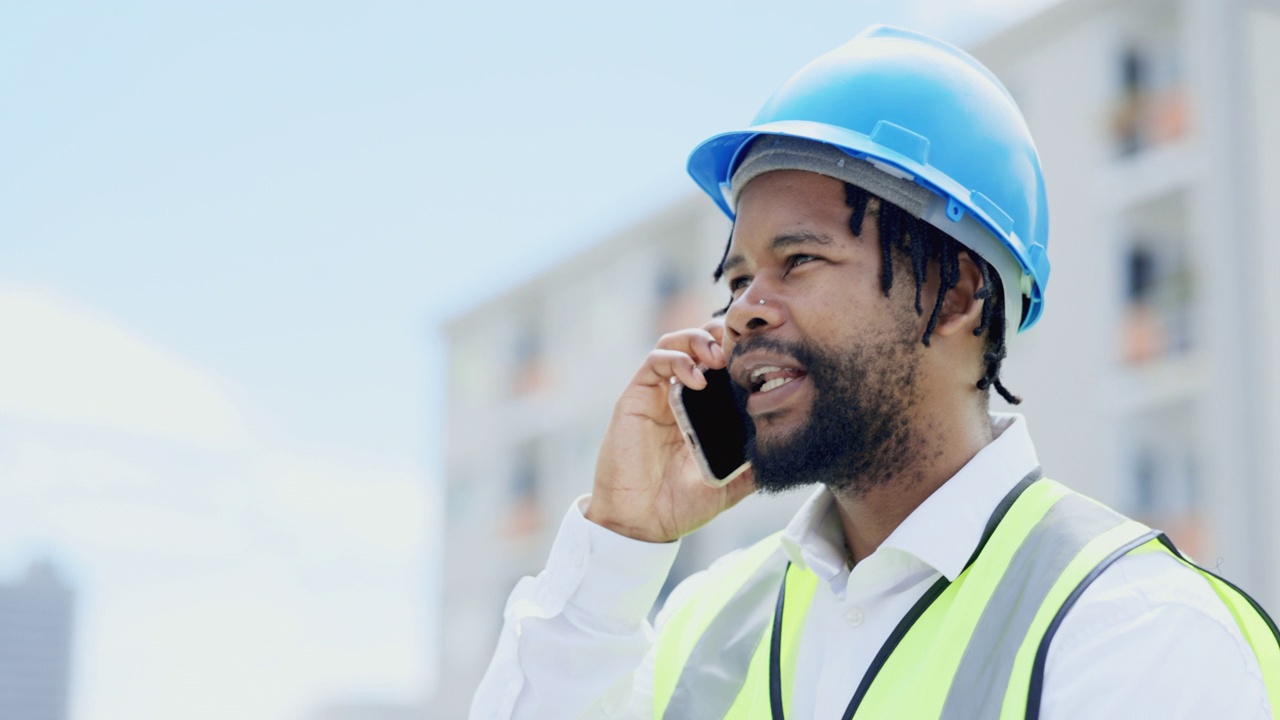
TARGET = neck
(871,513)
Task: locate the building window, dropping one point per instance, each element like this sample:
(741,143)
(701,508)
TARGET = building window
(1159,284)
(1163,471)
(529,369)
(1151,106)
(679,304)
(524,515)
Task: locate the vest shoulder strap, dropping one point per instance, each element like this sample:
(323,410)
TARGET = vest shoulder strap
(970,654)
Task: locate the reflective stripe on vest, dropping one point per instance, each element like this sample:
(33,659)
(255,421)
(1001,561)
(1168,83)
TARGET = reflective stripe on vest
(982,678)
(707,646)
(977,650)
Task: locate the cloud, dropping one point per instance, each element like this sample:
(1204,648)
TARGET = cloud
(288,574)
(64,363)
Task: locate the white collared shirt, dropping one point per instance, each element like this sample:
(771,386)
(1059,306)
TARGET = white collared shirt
(1149,638)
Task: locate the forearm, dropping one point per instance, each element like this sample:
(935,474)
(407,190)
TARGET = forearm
(575,638)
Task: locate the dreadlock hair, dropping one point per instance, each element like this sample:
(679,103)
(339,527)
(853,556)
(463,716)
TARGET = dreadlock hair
(921,243)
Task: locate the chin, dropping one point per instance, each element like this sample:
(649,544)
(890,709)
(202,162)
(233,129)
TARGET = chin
(775,427)
(772,450)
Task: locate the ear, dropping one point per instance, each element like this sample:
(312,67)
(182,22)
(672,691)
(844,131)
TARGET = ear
(962,308)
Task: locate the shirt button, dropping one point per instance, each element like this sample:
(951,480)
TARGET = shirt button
(854,616)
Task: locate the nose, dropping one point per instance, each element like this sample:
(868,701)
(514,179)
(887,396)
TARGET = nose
(754,311)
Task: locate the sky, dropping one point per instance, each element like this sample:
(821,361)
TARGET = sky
(229,236)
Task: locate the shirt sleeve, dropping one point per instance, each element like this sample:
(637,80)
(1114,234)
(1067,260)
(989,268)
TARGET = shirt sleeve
(575,639)
(1151,639)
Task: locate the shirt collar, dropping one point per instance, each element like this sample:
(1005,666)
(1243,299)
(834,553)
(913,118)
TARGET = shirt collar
(944,530)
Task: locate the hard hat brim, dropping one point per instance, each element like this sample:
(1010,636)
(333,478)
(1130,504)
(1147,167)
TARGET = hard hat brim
(712,163)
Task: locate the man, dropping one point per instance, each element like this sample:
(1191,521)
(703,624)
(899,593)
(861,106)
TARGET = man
(889,225)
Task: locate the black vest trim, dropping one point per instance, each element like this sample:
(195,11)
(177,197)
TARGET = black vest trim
(1001,510)
(775,652)
(891,644)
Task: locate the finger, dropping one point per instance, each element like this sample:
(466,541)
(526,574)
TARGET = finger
(662,365)
(716,327)
(699,343)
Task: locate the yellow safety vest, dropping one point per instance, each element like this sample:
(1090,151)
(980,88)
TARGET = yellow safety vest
(973,648)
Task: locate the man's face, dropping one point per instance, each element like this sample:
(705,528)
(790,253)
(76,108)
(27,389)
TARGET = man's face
(827,366)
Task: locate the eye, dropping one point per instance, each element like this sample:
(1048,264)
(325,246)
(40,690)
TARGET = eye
(800,259)
(739,284)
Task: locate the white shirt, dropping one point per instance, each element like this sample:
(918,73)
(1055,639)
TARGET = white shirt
(1148,639)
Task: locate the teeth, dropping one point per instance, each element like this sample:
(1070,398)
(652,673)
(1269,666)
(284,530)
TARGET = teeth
(776,382)
(760,371)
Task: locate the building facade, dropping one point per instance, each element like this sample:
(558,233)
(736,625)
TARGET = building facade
(1152,383)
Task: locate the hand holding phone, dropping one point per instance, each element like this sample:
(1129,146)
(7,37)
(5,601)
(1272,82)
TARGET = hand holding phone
(648,486)
(713,426)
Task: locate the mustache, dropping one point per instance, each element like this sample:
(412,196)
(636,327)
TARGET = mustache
(804,352)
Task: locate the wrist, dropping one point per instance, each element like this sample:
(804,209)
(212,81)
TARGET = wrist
(598,512)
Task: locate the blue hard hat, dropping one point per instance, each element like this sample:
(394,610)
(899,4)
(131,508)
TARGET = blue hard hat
(920,109)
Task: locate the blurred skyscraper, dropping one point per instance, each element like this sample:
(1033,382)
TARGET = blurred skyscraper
(1151,383)
(36,632)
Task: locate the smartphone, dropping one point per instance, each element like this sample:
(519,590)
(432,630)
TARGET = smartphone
(714,428)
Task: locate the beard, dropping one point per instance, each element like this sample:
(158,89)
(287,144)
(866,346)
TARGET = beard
(858,434)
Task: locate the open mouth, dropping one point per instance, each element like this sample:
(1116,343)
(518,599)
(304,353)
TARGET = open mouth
(767,378)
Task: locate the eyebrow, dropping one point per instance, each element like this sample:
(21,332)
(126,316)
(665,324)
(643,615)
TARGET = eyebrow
(777,245)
